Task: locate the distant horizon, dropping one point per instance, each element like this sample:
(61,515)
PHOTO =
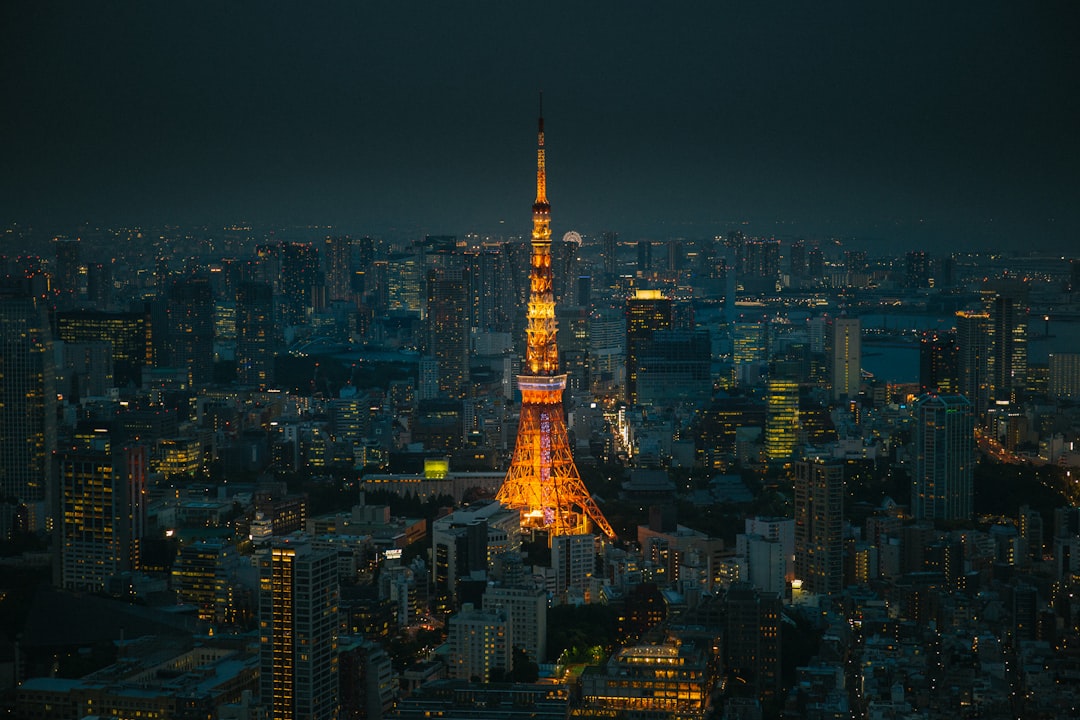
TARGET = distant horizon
(929,126)
(785,232)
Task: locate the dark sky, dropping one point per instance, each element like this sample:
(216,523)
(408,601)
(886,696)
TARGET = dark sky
(930,124)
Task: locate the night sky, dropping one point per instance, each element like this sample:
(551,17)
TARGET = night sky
(946,124)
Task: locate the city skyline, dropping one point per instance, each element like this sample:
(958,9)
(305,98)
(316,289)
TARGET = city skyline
(816,122)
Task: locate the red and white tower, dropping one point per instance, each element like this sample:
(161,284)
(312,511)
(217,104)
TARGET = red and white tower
(543,481)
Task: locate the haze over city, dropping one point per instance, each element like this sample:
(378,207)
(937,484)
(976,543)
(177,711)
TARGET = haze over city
(949,125)
(485,361)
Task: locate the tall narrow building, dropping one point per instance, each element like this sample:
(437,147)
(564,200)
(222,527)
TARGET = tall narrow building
(543,482)
(647,312)
(943,484)
(27,406)
(846,357)
(298,626)
(819,517)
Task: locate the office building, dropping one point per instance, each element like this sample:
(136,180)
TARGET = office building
(481,644)
(127,333)
(1064,381)
(646,312)
(846,357)
(298,630)
(972,331)
(102,510)
(781,418)
(191,329)
(670,680)
(819,516)
(449,317)
(1005,304)
(255,334)
(525,608)
(943,477)
(27,406)
(752,648)
(939,363)
(673,366)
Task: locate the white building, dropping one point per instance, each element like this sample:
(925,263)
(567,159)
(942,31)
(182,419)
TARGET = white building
(479,643)
(526,610)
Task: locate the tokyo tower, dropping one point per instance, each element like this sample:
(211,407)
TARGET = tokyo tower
(543,481)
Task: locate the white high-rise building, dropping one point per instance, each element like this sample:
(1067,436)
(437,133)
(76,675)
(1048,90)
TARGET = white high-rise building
(573,558)
(526,610)
(480,642)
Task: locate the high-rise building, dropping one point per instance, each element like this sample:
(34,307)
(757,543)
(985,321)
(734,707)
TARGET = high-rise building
(299,276)
(1006,360)
(339,267)
(481,644)
(610,242)
(971,349)
(102,513)
(128,333)
(1064,381)
(573,557)
(255,336)
(99,285)
(752,637)
(449,312)
(673,366)
(27,406)
(750,342)
(846,357)
(819,516)
(543,482)
(939,363)
(65,278)
(781,418)
(525,610)
(646,312)
(798,261)
(917,269)
(943,479)
(644,256)
(298,630)
(191,329)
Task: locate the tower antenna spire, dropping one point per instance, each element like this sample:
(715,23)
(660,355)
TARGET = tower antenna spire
(543,482)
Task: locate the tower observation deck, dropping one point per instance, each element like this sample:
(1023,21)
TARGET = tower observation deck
(543,481)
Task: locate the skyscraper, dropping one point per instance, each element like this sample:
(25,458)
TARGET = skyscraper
(942,483)
(846,357)
(646,312)
(27,405)
(127,333)
(939,363)
(191,329)
(1064,383)
(255,336)
(298,626)
(819,516)
(971,360)
(1006,305)
(781,418)
(449,310)
(101,515)
(543,481)
(65,276)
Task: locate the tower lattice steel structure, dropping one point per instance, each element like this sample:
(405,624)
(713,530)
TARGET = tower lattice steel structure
(543,481)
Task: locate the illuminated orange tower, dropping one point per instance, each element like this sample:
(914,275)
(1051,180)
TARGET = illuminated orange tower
(543,481)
